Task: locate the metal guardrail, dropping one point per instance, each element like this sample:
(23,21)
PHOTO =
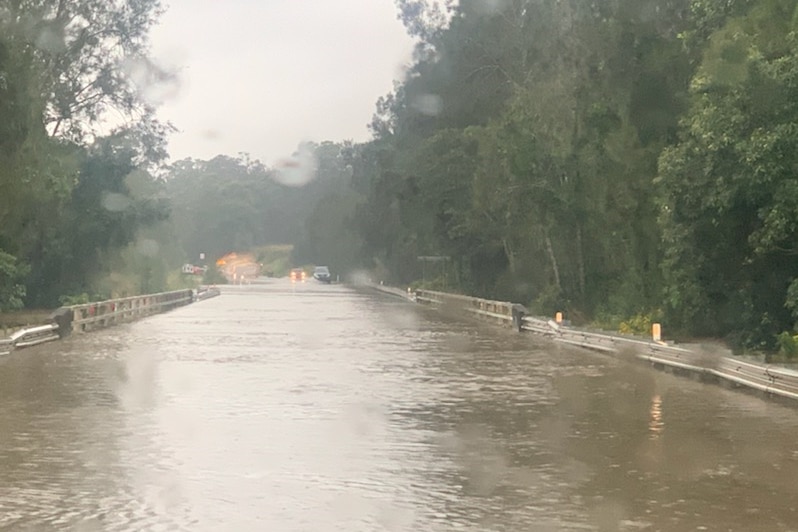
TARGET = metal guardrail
(772,380)
(35,335)
(765,378)
(29,337)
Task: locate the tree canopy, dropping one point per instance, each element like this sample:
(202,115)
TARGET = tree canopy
(610,159)
(66,204)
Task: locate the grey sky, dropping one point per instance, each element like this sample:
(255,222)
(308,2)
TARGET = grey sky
(260,76)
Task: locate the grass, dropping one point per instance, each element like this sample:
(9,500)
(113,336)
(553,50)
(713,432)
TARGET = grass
(274,259)
(16,319)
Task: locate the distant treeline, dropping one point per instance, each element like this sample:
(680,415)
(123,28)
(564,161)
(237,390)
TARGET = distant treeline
(619,160)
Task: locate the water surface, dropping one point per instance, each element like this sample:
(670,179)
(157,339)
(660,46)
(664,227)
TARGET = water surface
(318,408)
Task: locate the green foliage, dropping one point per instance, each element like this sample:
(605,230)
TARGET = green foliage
(792,298)
(788,345)
(77,299)
(275,260)
(98,228)
(522,144)
(214,276)
(237,204)
(328,236)
(729,200)
(67,206)
(639,324)
(12,291)
(597,158)
(440,283)
(77,60)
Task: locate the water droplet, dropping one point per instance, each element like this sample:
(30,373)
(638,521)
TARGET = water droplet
(155,83)
(428,104)
(115,202)
(51,39)
(299,169)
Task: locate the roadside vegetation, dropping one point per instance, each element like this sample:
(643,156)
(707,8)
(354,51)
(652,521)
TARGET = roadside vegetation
(275,260)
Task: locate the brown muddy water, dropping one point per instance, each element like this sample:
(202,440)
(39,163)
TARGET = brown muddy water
(309,407)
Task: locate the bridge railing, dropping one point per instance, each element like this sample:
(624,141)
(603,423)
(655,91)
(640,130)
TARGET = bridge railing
(773,380)
(91,316)
(99,314)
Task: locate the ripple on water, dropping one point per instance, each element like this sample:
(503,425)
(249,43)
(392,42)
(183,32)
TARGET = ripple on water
(317,408)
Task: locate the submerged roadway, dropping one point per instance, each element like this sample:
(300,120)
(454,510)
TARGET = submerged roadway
(313,407)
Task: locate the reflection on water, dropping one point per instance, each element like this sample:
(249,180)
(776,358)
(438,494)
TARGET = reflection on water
(655,424)
(316,408)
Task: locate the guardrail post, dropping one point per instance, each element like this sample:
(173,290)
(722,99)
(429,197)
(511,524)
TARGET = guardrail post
(63,318)
(518,312)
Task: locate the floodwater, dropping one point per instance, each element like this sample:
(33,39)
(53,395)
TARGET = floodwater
(318,408)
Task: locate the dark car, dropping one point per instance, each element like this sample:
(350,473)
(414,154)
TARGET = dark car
(322,273)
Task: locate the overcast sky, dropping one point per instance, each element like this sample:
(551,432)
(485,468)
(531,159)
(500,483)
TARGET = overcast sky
(261,76)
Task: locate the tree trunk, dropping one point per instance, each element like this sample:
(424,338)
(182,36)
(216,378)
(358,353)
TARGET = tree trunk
(580,257)
(510,254)
(555,268)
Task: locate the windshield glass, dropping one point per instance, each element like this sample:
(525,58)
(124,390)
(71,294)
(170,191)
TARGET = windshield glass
(398,264)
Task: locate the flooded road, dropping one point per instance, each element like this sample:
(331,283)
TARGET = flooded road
(318,408)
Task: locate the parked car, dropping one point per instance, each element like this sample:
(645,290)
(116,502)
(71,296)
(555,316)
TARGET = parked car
(322,273)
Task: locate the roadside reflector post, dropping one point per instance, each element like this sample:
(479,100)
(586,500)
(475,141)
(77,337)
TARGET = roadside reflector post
(656,332)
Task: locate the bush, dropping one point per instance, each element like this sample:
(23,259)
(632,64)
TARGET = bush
(69,300)
(213,276)
(639,324)
(788,345)
(12,291)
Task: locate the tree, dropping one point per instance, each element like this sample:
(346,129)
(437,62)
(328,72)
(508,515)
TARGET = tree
(12,290)
(730,206)
(102,216)
(544,120)
(85,58)
(234,204)
(64,66)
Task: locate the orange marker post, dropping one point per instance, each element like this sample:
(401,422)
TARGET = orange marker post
(656,332)
(558,318)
